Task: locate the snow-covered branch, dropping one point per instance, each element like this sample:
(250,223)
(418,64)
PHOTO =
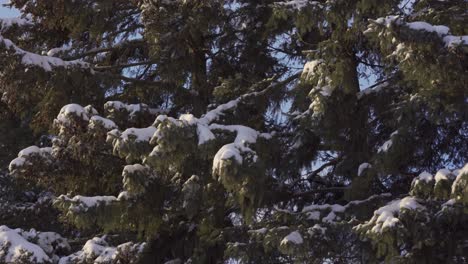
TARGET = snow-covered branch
(8,22)
(45,62)
(442,31)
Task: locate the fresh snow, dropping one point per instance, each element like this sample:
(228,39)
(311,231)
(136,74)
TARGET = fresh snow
(449,203)
(45,62)
(99,252)
(299,4)
(216,113)
(332,207)
(330,218)
(293,237)
(17,162)
(425,176)
(140,134)
(387,144)
(323,85)
(28,151)
(68,109)
(203,132)
(233,150)
(316,228)
(461,172)
(8,22)
(441,30)
(451,41)
(310,68)
(107,123)
(132,109)
(313,215)
(34,150)
(88,201)
(133,168)
(421,25)
(47,241)
(80,202)
(387,216)
(442,174)
(23,154)
(362,167)
(18,244)
(262,230)
(123,196)
(387,21)
(95,247)
(244,135)
(55,51)
(313,211)
(226,152)
(93,201)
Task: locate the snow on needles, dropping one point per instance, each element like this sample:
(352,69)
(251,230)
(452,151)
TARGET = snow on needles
(18,244)
(87,113)
(107,123)
(387,216)
(442,174)
(99,251)
(310,68)
(441,30)
(88,201)
(139,134)
(8,22)
(420,25)
(461,172)
(79,203)
(387,144)
(132,109)
(363,167)
(298,4)
(70,109)
(29,58)
(424,176)
(45,62)
(451,41)
(313,211)
(25,153)
(132,168)
(204,133)
(293,237)
(244,135)
(33,149)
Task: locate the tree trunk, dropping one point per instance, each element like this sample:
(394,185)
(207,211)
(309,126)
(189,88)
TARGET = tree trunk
(199,85)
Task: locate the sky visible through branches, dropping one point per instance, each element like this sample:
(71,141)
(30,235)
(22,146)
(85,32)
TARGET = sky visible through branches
(7,12)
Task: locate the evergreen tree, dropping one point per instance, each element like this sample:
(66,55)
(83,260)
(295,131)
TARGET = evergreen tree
(251,131)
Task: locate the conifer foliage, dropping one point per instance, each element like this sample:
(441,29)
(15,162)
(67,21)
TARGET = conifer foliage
(330,131)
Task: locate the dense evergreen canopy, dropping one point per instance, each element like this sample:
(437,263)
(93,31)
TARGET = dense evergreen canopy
(266,131)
